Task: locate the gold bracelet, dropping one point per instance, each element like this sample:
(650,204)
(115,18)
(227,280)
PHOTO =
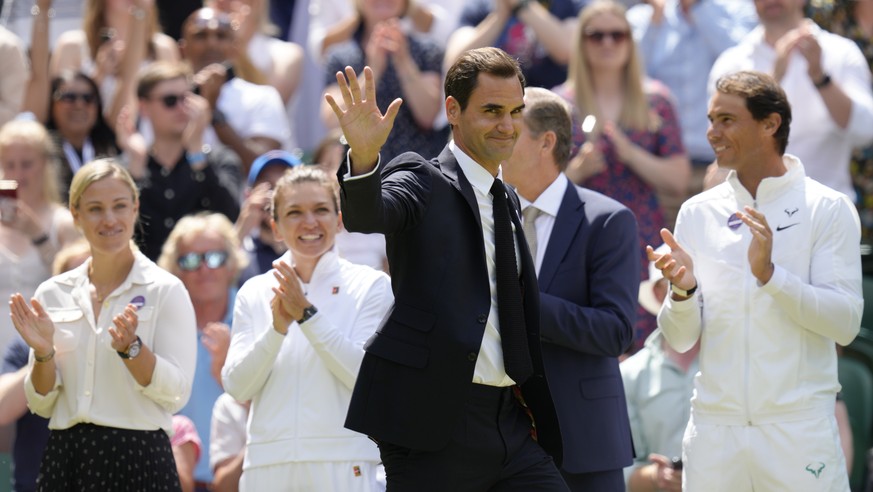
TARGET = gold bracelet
(45,358)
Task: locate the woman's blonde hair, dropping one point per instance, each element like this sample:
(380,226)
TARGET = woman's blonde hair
(34,134)
(94,171)
(635,111)
(193,225)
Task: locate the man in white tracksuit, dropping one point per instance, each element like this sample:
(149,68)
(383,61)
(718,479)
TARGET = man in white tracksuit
(765,269)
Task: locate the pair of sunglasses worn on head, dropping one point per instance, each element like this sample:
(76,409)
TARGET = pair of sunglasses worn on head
(213,259)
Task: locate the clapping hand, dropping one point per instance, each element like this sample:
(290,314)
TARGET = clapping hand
(33,324)
(216,339)
(124,332)
(289,300)
(365,127)
(676,266)
(761,247)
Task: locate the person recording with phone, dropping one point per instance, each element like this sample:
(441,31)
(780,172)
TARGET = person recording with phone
(248,118)
(33,224)
(178,174)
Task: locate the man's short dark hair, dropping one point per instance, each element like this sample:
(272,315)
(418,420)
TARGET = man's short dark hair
(463,76)
(157,72)
(763,97)
(545,111)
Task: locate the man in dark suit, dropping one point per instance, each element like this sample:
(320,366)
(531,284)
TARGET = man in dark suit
(442,383)
(584,246)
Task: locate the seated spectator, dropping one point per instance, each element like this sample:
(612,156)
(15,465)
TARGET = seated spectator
(115,40)
(534,32)
(253,225)
(178,174)
(307,320)
(248,118)
(404,65)
(33,225)
(227,448)
(203,251)
(186,445)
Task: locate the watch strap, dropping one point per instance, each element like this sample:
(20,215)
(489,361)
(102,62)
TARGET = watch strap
(126,354)
(682,292)
(308,312)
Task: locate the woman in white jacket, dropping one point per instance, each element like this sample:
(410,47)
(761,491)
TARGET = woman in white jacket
(297,343)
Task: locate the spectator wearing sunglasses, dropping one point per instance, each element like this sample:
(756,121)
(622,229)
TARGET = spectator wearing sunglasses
(306,321)
(627,140)
(116,40)
(204,252)
(178,174)
(75,119)
(248,118)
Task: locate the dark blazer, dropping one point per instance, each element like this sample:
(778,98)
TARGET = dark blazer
(418,368)
(589,283)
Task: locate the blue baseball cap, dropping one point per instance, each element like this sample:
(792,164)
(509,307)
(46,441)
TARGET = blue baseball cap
(279,157)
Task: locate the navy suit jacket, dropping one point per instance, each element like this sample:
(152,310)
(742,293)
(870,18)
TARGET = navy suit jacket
(589,283)
(417,371)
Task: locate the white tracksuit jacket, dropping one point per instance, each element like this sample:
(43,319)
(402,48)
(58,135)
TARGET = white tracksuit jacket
(767,352)
(300,384)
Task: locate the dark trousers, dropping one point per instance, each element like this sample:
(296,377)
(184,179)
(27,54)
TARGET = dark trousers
(491,450)
(603,481)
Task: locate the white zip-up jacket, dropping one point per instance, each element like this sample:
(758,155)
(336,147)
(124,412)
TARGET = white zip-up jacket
(300,384)
(767,352)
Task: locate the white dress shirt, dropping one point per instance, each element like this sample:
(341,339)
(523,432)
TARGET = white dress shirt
(549,202)
(92,384)
(489,368)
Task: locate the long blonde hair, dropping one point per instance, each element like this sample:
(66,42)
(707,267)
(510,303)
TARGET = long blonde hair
(94,21)
(635,112)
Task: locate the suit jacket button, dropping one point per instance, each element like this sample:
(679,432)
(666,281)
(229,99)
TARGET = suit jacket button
(483,318)
(472,357)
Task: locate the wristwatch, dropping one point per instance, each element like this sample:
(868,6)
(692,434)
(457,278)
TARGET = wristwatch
(132,350)
(308,312)
(682,292)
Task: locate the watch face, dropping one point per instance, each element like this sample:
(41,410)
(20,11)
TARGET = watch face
(134,348)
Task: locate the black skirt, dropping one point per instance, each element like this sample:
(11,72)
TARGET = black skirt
(93,457)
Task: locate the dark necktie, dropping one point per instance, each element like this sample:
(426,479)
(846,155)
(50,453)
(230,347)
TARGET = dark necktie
(510,310)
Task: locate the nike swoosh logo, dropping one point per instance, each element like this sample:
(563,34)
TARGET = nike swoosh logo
(782,228)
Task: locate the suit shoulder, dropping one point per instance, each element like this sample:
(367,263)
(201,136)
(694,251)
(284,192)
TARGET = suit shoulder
(600,201)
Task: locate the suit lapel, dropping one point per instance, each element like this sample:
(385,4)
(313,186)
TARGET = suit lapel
(450,169)
(567,223)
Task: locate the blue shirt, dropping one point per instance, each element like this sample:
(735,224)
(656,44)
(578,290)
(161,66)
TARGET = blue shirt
(680,53)
(31,430)
(203,395)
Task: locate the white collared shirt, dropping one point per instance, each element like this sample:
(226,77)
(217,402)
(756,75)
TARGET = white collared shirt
(489,368)
(549,202)
(92,384)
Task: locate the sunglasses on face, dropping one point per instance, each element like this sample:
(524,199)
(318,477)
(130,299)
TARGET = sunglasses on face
(213,259)
(600,36)
(72,97)
(171,100)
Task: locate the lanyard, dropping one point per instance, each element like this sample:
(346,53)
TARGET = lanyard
(73,157)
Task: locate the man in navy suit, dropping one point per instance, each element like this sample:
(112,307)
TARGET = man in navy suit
(584,246)
(452,379)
